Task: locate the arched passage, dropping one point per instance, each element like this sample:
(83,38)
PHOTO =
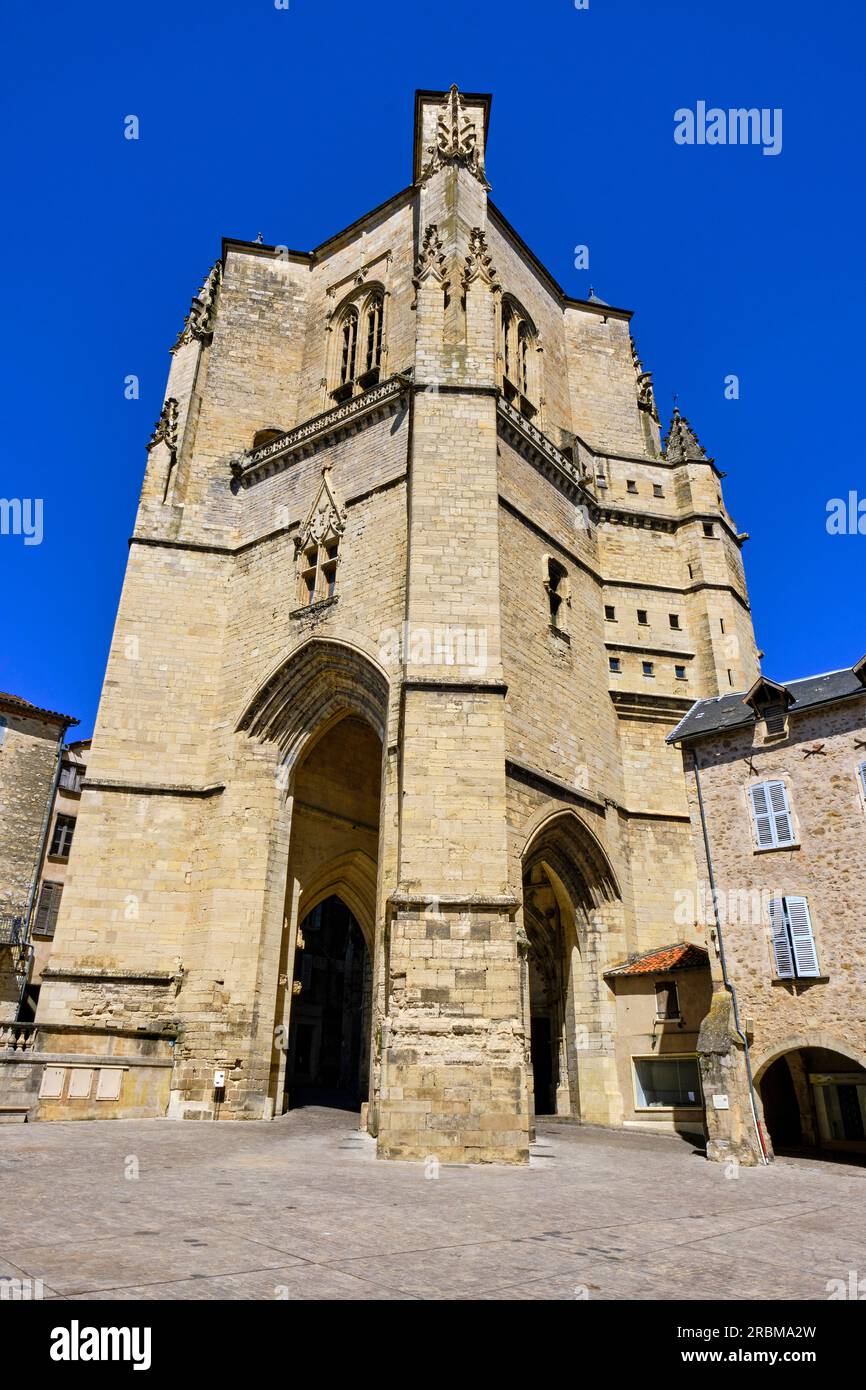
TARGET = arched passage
(331,912)
(813,1096)
(328,1058)
(569,891)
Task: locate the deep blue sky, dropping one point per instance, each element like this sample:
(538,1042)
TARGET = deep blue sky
(293,123)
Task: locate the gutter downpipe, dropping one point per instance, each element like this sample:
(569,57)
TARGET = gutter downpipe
(723,960)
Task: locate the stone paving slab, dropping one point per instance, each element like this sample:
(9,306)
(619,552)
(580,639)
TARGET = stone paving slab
(300,1208)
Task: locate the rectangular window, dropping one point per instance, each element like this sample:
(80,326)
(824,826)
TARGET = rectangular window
(680,673)
(614,663)
(771,815)
(642,617)
(61,840)
(674,619)
(648,668)
(667,1000)
(601,480)
(658,490)
(631,485)
(70,777)
(610,612)
(708,529)
(862,772)
(49,906)
(665,1082)
(793,939)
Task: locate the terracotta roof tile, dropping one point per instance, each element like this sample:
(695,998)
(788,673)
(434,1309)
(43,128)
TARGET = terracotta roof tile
(682,956)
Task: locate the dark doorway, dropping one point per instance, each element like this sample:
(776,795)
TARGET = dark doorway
(781,1109)
(541,1045)
(327,1064)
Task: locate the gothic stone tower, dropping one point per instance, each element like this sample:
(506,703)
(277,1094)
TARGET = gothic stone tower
(413,598)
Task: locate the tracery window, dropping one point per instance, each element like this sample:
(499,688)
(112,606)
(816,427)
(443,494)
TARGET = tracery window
(520,358)
(358,349)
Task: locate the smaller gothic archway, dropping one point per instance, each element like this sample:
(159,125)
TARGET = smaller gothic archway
(328,1045)
(568,887)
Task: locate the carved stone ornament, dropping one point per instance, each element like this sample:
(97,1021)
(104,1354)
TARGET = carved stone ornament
(645,395)
(479,262)
(456,140)
(165,430)
(326,517)
(199,322)
(431,260)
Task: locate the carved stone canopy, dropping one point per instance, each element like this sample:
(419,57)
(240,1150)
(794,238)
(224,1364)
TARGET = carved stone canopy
(199,322)
(326,517)
(456,140)
(645,395)
(431,260)
(479,262)
(165,430)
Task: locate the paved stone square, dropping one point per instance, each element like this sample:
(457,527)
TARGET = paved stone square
(301,1208)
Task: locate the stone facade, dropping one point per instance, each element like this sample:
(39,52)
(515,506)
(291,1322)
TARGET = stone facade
(415,594)
(788,889)
(30,742)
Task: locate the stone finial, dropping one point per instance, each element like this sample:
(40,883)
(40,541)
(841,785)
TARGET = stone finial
(199,322)
(682,444)
(431,261)
(456,140)
(165,430)
(479,262)
(645,394)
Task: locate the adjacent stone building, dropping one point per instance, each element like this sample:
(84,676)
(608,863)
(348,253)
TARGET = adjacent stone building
(777,790)
(31,739)
(379,791)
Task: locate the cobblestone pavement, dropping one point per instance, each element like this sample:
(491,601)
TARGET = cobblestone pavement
(301,1208)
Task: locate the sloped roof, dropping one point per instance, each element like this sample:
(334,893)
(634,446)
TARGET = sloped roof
(682,956)
(16,704)
(726,712)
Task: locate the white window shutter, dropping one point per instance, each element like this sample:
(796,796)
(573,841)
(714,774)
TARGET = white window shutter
(782,823)
(802,940)
(761,815)
(781,944)
(862,771)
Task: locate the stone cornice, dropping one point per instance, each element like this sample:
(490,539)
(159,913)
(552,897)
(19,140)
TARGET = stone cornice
(661,709)
(305,439)
(533,445)
(96,784)
(141,977)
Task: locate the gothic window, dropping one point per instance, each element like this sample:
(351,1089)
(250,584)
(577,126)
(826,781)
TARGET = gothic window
(319,570)
(373,332)
(520,351)
(358,347)
(348,346)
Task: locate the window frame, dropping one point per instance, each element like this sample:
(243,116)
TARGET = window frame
(58,834)
(771,815)
(640,1104)
(50,909)
(796,941)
